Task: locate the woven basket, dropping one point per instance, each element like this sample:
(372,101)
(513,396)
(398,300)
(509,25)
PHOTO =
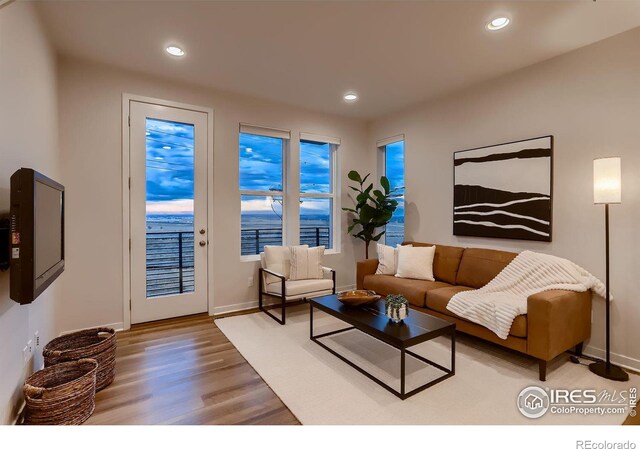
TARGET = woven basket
(98,343)
(61,394)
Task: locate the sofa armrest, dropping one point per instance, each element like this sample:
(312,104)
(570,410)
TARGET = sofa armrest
(365,267)
(557,320)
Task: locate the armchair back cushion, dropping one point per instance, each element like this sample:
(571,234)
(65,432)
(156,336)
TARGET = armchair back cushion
(306,263)
(278,259)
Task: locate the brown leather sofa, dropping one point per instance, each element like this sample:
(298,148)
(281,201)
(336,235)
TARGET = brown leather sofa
(556,320)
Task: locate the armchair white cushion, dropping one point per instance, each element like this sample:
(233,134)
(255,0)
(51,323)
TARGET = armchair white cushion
(307,288)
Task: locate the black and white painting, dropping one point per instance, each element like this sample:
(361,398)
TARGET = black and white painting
(504,191)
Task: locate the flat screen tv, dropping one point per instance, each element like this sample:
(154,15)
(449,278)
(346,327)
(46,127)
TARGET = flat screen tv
(36,232)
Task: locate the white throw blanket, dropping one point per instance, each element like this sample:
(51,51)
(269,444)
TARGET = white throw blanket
(498,303)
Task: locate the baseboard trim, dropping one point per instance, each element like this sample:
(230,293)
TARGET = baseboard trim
(233,308)
(118,327)
(239,307)
(618,359)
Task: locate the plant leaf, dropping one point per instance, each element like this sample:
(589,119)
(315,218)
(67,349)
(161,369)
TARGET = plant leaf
(384,182)
(354,176)
(377,237)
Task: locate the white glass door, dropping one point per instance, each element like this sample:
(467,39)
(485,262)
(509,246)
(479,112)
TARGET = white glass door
(168,216)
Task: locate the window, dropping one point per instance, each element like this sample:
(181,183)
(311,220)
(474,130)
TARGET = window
(394,170)
(317,192)
(261,188)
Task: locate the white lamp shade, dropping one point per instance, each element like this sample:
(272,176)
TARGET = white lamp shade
(607,180)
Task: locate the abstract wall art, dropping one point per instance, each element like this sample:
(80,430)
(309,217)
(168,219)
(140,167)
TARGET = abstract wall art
(504,191)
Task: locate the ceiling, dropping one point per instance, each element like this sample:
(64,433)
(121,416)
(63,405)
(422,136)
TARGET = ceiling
(393,54)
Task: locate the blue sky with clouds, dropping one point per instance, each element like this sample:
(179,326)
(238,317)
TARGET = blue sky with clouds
(170,158)
(394,167)
(170,151)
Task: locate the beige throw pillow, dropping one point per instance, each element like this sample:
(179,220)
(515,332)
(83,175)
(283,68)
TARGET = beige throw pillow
(387,259)
(416,262)
(306,263)
(278,259)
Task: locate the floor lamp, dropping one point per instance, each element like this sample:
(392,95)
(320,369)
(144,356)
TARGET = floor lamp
(607,189)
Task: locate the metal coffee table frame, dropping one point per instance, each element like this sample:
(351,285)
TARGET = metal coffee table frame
(401,345)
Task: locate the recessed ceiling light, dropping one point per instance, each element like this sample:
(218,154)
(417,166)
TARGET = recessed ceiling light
(166,147)
(350,97)
(175,51)
(498,23)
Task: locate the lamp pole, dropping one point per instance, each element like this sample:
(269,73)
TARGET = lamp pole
(608,293)
(607,190)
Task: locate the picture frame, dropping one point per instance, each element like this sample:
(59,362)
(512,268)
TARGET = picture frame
(505,190)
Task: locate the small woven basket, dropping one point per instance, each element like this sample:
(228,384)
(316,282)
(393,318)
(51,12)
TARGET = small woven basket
(62,394)
(98,343)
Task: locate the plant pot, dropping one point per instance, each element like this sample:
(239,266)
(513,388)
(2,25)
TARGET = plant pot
(397,313)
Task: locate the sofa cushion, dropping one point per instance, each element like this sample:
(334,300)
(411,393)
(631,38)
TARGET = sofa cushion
(438,299)
(478,266)
(413,289)
(445,262)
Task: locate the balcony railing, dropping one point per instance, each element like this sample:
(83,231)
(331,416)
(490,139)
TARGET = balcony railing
(252,241)
(170,264)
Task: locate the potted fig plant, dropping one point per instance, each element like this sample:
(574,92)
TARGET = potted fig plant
(373,209)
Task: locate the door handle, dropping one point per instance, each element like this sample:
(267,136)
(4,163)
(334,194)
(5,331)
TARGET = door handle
(202,243)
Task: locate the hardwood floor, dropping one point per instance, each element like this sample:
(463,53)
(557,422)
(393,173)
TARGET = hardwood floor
(185,371)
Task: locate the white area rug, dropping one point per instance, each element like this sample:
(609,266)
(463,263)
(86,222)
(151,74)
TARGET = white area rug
(319,388)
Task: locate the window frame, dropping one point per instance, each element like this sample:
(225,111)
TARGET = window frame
(271,133)
(333,195)
(382,168)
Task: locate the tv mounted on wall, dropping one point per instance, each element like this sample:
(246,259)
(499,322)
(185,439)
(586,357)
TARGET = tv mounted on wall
(36,232)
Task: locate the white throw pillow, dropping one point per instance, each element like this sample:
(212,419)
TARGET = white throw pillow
(387,259)
(306,263)
(278,259)
(416,262)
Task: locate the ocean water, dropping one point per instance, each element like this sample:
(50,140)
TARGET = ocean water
(251,222)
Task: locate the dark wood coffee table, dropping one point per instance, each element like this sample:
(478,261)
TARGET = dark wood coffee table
(417,328)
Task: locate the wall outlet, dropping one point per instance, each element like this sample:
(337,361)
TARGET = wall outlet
(30,346)
(36,338)
(250,281)
(26,354)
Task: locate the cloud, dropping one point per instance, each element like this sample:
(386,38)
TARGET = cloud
(170,207)
(260,204)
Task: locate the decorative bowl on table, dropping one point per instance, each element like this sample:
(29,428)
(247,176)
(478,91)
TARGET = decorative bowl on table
(358,297)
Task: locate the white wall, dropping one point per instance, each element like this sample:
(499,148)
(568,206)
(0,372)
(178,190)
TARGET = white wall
(90,138)
(28,138)
(589,100)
